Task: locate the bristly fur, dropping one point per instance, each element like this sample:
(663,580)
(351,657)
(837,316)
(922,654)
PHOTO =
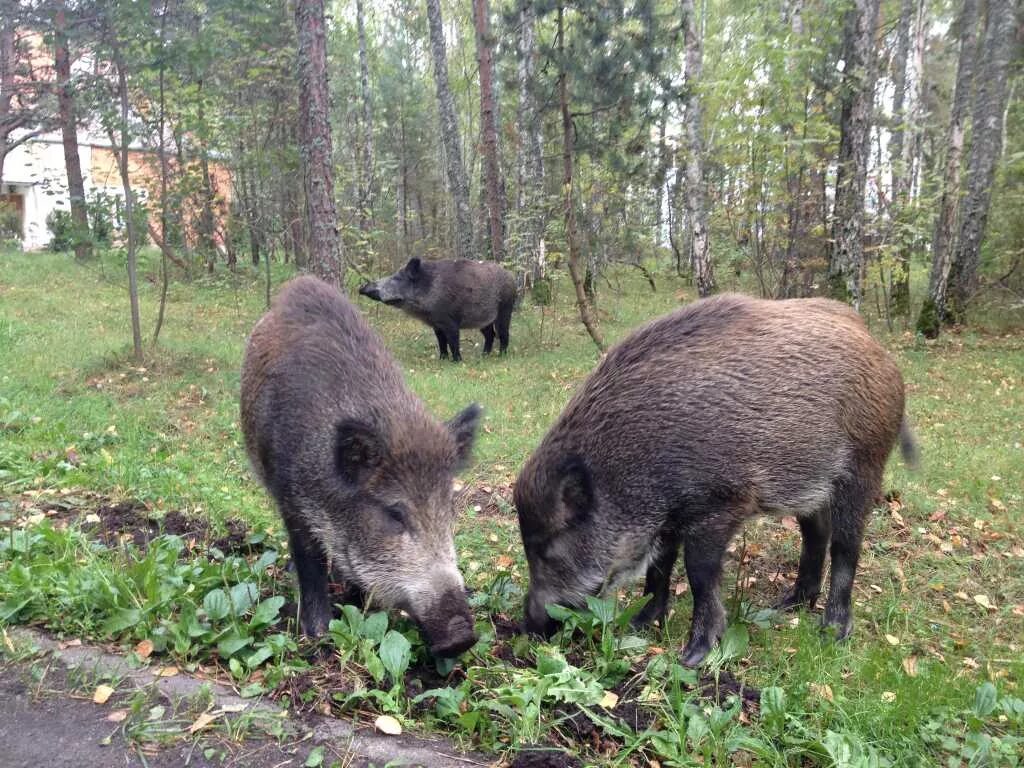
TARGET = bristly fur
(726,408)
(360,471)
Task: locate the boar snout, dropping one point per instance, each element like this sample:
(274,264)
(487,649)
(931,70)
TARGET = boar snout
(370,290)
(449,627)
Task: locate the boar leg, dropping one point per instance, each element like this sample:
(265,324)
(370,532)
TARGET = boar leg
(816,530)
(451,333)
(703,551)
(442,344)
(502,324)
(659,576)
(311,568)
(488,332)
(851,502)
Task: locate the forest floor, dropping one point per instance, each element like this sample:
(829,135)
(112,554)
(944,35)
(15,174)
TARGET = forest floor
(128,517)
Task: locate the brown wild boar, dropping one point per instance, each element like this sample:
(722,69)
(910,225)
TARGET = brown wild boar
(450,294)
(361,473)
(726,408)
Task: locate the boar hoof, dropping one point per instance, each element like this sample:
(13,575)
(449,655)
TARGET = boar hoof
(695,652)
(838,622)
(650,614)
(793,598)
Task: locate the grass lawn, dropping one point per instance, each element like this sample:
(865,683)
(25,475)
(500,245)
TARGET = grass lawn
(932,674)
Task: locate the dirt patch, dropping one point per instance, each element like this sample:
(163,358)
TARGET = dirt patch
(540,757)
(120,522)
(489,500)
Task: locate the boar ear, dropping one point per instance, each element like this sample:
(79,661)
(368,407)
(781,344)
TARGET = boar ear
(577,488)
(357,450)
(463,428)
(413,267)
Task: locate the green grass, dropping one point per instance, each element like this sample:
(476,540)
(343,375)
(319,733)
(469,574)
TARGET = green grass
(74,414)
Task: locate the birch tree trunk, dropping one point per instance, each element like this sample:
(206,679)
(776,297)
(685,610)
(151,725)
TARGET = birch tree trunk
(933,312)
(530,243)
(493,186)
(696,192)
(586,309)
(998,51)
(366,192)
(69,135)
(458,182)
(325,258)
(898,159)
(846,261)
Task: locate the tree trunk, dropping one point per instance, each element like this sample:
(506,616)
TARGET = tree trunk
(366,187)
(530,243)
(493,185)
(325,257)
(986,147)
(696,192)
(458,183)
(568,140)
(846,260)
(69,135)
(898,160)
(162,149)
(129,211)
(934,312)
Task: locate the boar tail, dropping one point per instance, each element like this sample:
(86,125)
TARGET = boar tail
(908,445)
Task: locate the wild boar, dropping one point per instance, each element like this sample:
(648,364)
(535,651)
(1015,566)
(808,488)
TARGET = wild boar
(361,473)
(451,294)
(726,408)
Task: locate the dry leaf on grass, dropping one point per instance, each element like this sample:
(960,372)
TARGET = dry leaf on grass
(822,691)
(387,724)
(892,640)
(118,715)
(984,602)
(166,671)
(609,700)
(203,720)
(910,666)
(103,692)
(888,696)
(144,649)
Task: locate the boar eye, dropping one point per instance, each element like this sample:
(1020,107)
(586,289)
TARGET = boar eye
(397,517)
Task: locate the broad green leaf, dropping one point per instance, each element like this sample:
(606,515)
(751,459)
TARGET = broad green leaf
(374,626)
(266,612)
(232,644)
(395,653)
(243,596)
(985,699)
(216,604)
(602,607)
(120,620)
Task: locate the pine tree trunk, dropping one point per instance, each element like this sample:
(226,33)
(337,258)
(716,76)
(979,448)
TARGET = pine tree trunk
(493,185)
(696,192)
(69,135)
(458,183)
(530,244)
(325,257)
(846,262)
(986,146)
(367,186)
(568,149)
(934,313)
(898,159)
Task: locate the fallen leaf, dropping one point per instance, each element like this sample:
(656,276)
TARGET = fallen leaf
(984,602)
(609,700)
(681,588)
(789,523)
(892,640)
(92,518)
(144,649)
(232,708)
(202,721)
(166,671)
(824,691)
(117,715)
(387,724)
(910,666)
(103,692)
(888,696)
(70,644)
(504,562)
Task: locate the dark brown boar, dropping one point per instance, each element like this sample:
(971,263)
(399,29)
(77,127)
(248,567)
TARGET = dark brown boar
(726,408)
(361,473)
(450,294)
